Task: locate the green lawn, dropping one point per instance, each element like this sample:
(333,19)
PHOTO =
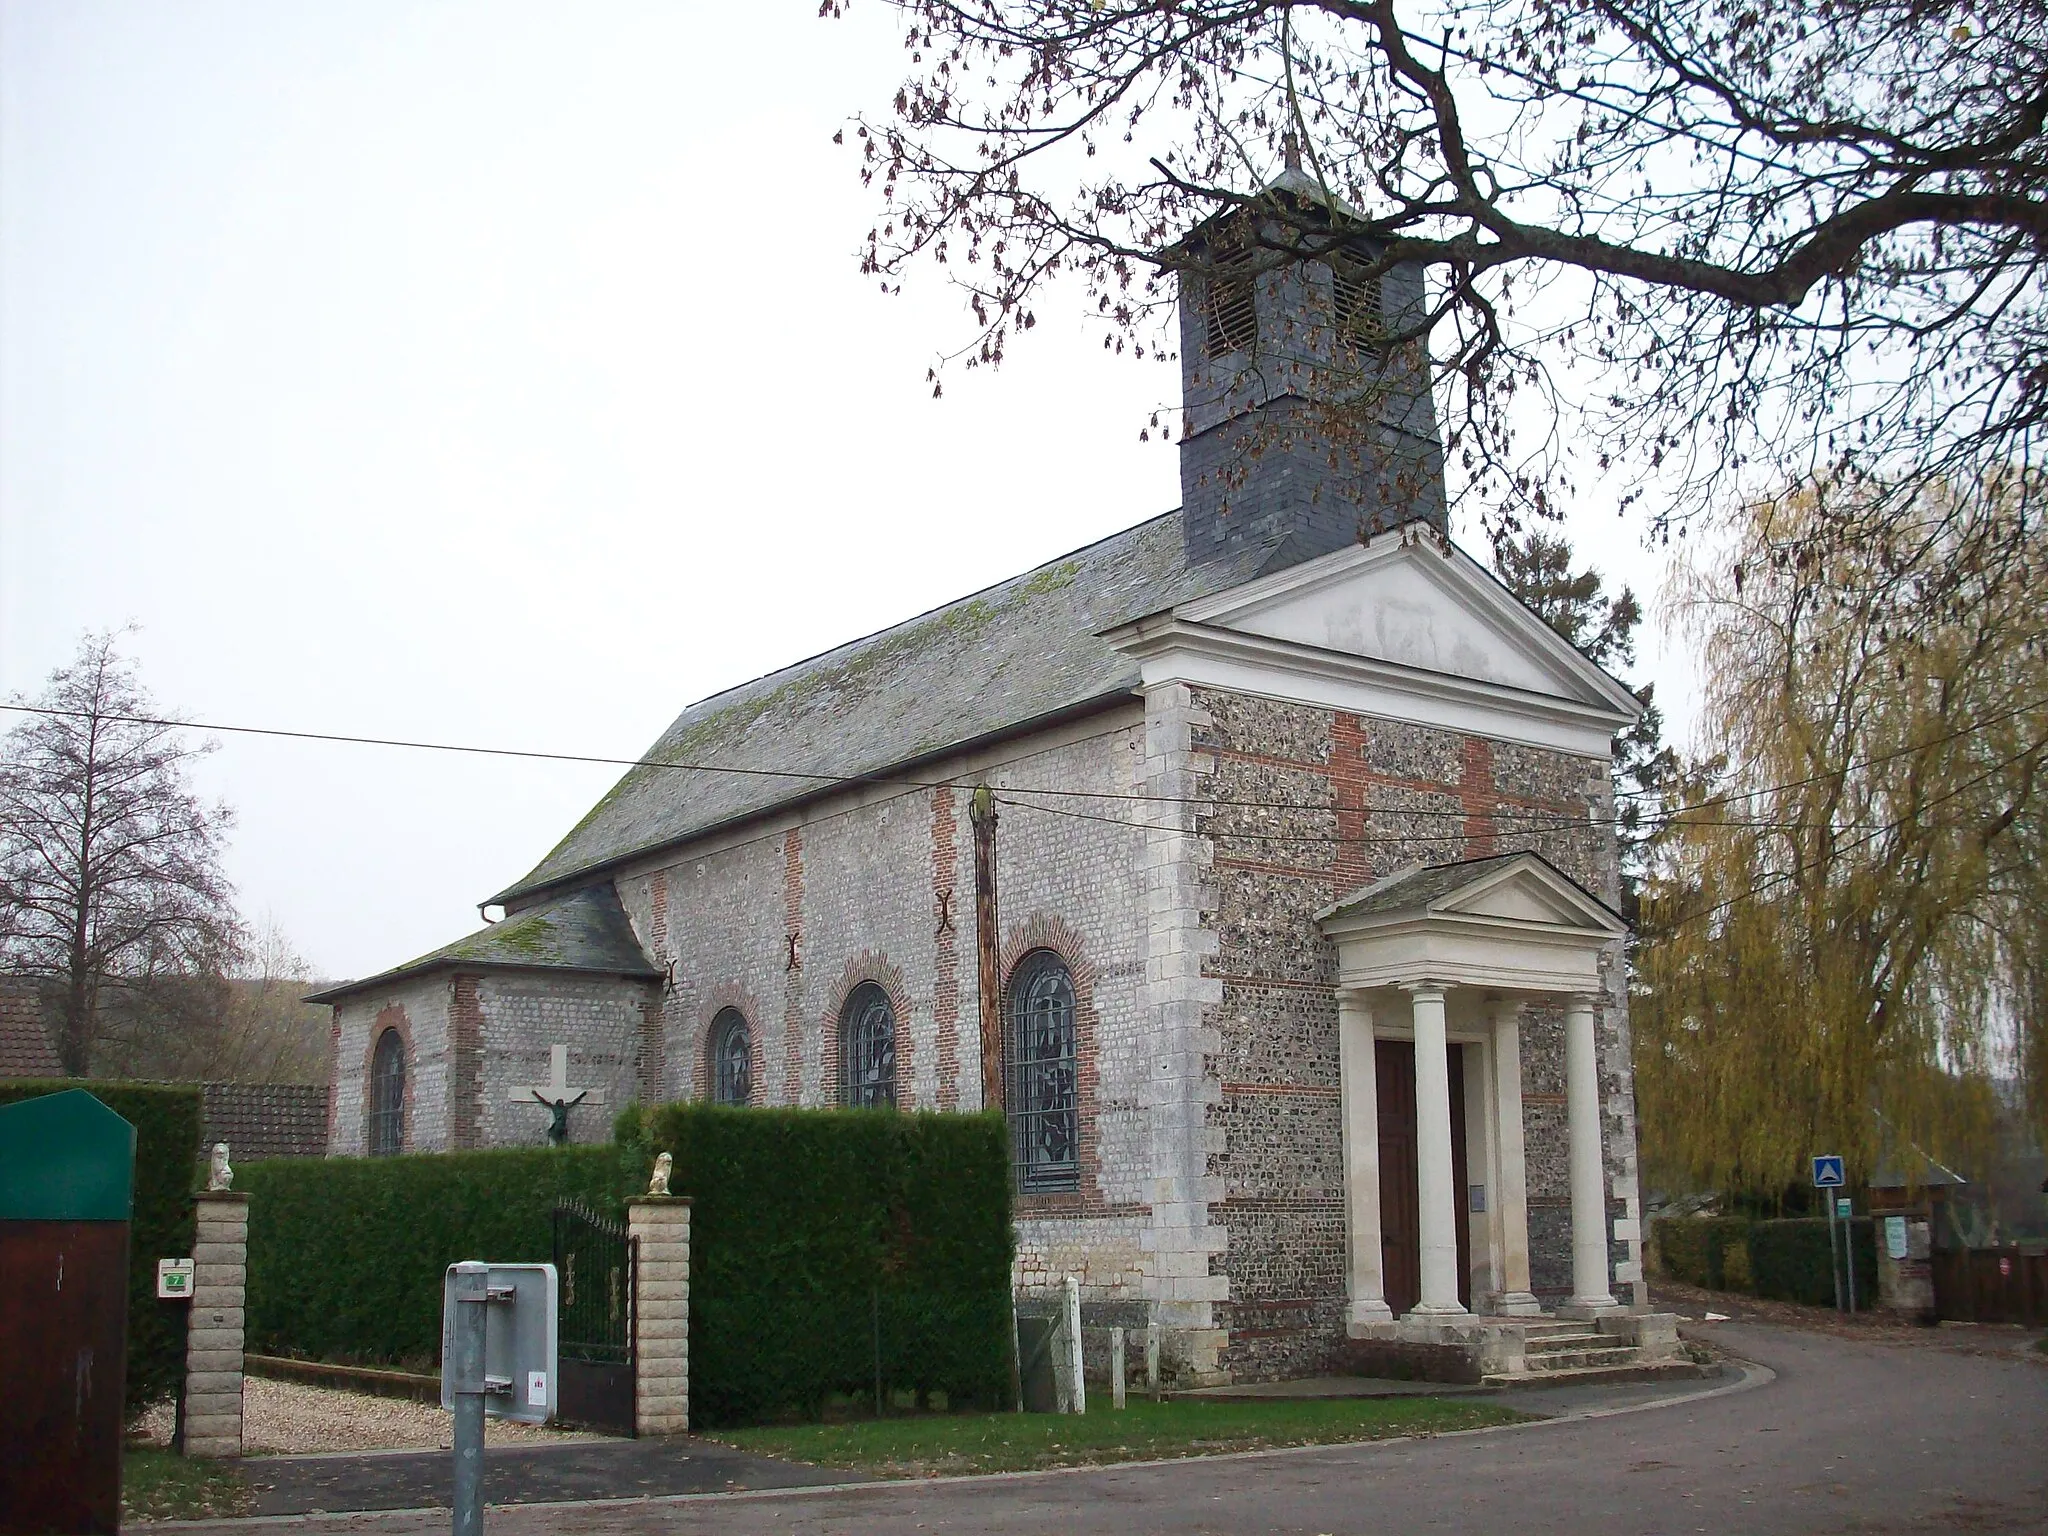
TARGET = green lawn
(938,1445)
(155,1485)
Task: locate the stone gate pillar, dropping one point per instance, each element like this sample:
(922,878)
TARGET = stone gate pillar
(660,1225)
(213,1343)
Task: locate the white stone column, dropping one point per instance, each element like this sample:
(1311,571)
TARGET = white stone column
(661,1313)
(1366,1281)
(1437,1194)
(1588,1172)
(213,1346)
(1511,1199)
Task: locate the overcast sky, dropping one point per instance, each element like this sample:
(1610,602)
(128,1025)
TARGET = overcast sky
(492,373)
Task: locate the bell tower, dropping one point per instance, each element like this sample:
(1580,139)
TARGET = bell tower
(1303,432)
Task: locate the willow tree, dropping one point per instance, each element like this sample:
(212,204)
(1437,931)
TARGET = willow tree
(1843,936)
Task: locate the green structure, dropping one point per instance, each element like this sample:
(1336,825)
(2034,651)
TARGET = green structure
(67,1185)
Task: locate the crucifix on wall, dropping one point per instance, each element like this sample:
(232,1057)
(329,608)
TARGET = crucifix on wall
(556,1096)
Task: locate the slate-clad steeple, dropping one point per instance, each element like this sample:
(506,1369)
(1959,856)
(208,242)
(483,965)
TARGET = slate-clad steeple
(1299,432)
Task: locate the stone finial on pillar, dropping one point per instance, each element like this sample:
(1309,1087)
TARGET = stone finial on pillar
(1590,1284)
(660,1228)
(213,1342)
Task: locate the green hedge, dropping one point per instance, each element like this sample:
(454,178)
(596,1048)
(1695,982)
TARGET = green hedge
(167,1123)
(1694,1249)
(824,1244)
(1786,1260)
(828,1246)
(1790,1261)
(346,1255)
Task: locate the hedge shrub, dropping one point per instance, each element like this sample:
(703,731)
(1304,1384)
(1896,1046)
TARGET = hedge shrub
(1784,1260)
(166,1118)
(346,1255)
(1791,1262)
(828,1244)
(1693,1249)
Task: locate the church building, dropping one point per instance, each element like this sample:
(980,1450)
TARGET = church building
(1300,890)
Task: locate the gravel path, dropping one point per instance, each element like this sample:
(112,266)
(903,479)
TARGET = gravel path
(291,1418)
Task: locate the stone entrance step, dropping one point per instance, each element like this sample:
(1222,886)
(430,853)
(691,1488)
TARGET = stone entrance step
(1600,1375)
(1550,1362)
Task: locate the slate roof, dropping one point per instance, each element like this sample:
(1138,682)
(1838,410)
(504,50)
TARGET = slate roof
(1025,650)
(586,931)
(1421,885)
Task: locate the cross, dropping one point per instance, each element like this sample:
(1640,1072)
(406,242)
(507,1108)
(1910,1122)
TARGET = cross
(554,1094)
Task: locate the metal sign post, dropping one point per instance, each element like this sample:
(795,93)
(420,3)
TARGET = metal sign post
(1846,1210)
(1828,1174)
(469,1295)
(506,1371)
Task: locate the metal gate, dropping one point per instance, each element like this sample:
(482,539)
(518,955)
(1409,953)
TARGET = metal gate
(594,1336)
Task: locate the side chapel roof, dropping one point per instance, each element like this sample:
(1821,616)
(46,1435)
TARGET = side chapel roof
(586,932)
(1021,652)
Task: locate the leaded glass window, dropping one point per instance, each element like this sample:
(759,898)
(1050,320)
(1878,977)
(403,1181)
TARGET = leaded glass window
(867,1049)
(1044,1118)
(387,1095)
(732,1058)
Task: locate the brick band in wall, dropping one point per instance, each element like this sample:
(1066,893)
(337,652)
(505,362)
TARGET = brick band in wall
(213,1348)
(660,1224)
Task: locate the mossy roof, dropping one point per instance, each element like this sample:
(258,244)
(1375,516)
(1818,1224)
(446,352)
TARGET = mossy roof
(1027,649)
(587,931)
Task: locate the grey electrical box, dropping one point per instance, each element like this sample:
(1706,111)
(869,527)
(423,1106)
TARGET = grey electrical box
(519,1342)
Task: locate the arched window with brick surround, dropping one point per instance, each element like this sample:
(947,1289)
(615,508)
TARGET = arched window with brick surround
(867,1049)
(1044,1121)
(732,1058)
(387,1095)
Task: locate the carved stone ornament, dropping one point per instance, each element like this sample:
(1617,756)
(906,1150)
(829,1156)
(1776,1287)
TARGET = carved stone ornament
(219,1176)
(658,1185)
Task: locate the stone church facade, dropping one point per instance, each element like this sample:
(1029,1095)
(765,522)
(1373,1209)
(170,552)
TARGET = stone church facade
(1304,870)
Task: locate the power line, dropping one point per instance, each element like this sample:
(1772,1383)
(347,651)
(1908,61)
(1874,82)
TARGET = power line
(837,779)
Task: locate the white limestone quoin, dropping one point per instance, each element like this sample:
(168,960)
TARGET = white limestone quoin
(660,1225)
(213,1346)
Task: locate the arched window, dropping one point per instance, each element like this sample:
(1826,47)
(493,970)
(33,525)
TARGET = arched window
(387,1095)
(732,1058)
(867,1049)
(1044,1122)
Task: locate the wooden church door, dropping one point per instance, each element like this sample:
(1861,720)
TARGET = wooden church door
(1400,1198)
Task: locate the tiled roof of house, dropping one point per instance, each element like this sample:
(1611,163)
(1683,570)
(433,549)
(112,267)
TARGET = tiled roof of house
(586,931)
(1025,650)
(265,1119)
(1420,886)
(26,1049)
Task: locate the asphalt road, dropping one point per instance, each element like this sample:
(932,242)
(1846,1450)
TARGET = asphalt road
(1853,1435)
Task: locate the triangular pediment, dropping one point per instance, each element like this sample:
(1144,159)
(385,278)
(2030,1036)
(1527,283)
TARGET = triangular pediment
(1411,599)
(1524,889)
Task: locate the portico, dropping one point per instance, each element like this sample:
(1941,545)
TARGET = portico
(1442,962)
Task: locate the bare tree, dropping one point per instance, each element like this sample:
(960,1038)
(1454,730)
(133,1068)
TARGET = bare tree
(110,877)
(1777,244)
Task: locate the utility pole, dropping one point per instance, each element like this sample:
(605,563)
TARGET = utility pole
(982,812)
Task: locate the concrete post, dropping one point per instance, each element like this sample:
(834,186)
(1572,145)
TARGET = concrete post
(1588,1157)
(661,1313)
(1359,1086)
(1437,1202)
(213,1344)
(1512,1198)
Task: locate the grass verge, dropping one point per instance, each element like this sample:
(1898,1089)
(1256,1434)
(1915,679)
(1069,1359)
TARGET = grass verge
(155,1485)
(948,1445)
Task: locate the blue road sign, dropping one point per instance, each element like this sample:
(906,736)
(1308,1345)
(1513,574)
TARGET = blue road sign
(1827,1173)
